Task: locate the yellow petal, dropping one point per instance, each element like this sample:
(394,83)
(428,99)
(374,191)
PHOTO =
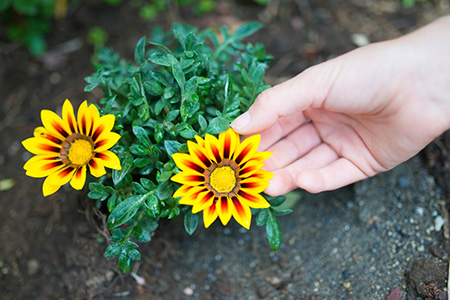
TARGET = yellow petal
(212,147)
(102,126)
(106,141)
(54,124)
(48,188)
(96,167)
(204,200)
(252,200)
(189,178)
(241,213)
(253,185)
(247,149)
(229,141)
(79,178)
(200,141)
(250,168)
(185,163)
(182,190)
(191,197)
(199,155)
(62,176)
(38,145)
(68,116)
(262,155)
(85,120)
(224,209)
(209,215)
(108,159)
(42,165)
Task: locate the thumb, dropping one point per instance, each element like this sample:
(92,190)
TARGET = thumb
(308,89)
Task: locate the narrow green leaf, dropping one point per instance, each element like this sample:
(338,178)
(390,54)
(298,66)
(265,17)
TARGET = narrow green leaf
(113,250)
(126,160)
(218,125)
(139,52)
(165,190)
(125,210)
(171,147)
(142,136)
(190,222)
(273,231)
(124,262)
(159,59)
(262,217)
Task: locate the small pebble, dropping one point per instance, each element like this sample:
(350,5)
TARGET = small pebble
(438,223)
(347,285)
(32,266)
(188,291)
(360,39)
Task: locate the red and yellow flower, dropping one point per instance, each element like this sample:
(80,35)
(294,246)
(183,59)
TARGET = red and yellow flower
(65,147)
(223,177)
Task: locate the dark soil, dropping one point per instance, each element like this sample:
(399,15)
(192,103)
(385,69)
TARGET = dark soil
(360,242)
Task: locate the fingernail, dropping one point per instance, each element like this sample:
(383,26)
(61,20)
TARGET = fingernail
(241,121)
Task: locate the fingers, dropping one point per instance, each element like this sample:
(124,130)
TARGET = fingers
(294,146)
(290,97)
(283,127)
(285,179)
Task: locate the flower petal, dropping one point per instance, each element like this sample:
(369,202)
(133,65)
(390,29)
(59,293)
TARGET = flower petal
(41,132)
(253,185)
(191,197)
(262,155)
(209,215)
(200,141)
(108,159)
(229,141)
(182,190)
(38,145)
(199,155)
(247,149)
(96,167)
(252,200)
(42,165)
(189,178)
(250,168)
(263,175)
(224,209)
(185,163)
(79,178)
(106,141)
(48,188)
(54,124)
(212,147)
(68,116)
(85,118)
(62,176)
(204,200)
(103,125)
(241,213)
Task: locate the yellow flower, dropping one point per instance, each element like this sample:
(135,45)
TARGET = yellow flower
(65,147)
(223,177)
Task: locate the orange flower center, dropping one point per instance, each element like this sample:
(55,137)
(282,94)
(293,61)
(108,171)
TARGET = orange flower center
(80,152)
(223,179)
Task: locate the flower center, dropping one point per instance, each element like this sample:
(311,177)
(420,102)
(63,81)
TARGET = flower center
(223,179)
(80,152)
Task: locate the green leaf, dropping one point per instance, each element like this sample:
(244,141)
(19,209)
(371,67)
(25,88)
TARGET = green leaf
(273,231)
(139,150)
(142,136)
(171,147)
(277,201)
(124,263)
(165,190)
(153,88)
(138,188)
(113,250)
(190,222)
(108,104)
(139,52)
(126,160)
(262,217)
(159,59)
(125,210)
(177,71)
(281,212)
(246,30)
(218,125)
(148,184)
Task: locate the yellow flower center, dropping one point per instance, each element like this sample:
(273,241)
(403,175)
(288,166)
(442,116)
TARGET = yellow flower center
(80,152)
(223,179)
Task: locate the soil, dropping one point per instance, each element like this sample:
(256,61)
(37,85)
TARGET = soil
(378,239)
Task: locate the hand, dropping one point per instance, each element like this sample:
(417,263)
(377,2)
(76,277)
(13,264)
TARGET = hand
(356,115)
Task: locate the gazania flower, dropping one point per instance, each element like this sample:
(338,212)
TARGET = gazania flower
(223,177)
(65,147)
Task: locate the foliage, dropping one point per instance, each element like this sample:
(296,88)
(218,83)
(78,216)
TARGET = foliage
(97,36)
(149,9)
(27,21)
(182,84)
(410,3)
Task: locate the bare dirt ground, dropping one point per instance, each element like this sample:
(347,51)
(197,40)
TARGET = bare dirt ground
(378,239)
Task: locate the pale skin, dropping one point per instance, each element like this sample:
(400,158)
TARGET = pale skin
(356,115)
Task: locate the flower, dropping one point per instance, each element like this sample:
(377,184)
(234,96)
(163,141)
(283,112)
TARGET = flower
(65,147)
(223,177)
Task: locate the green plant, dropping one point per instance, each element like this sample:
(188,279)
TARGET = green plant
(27,21)
(97,36)
(410,3)
(180,86)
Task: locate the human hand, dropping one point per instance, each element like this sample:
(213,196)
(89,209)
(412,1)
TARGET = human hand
(356,115)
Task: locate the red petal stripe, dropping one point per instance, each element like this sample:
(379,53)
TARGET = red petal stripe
(52,165)
(97,132)
(243,153)
(59,129)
